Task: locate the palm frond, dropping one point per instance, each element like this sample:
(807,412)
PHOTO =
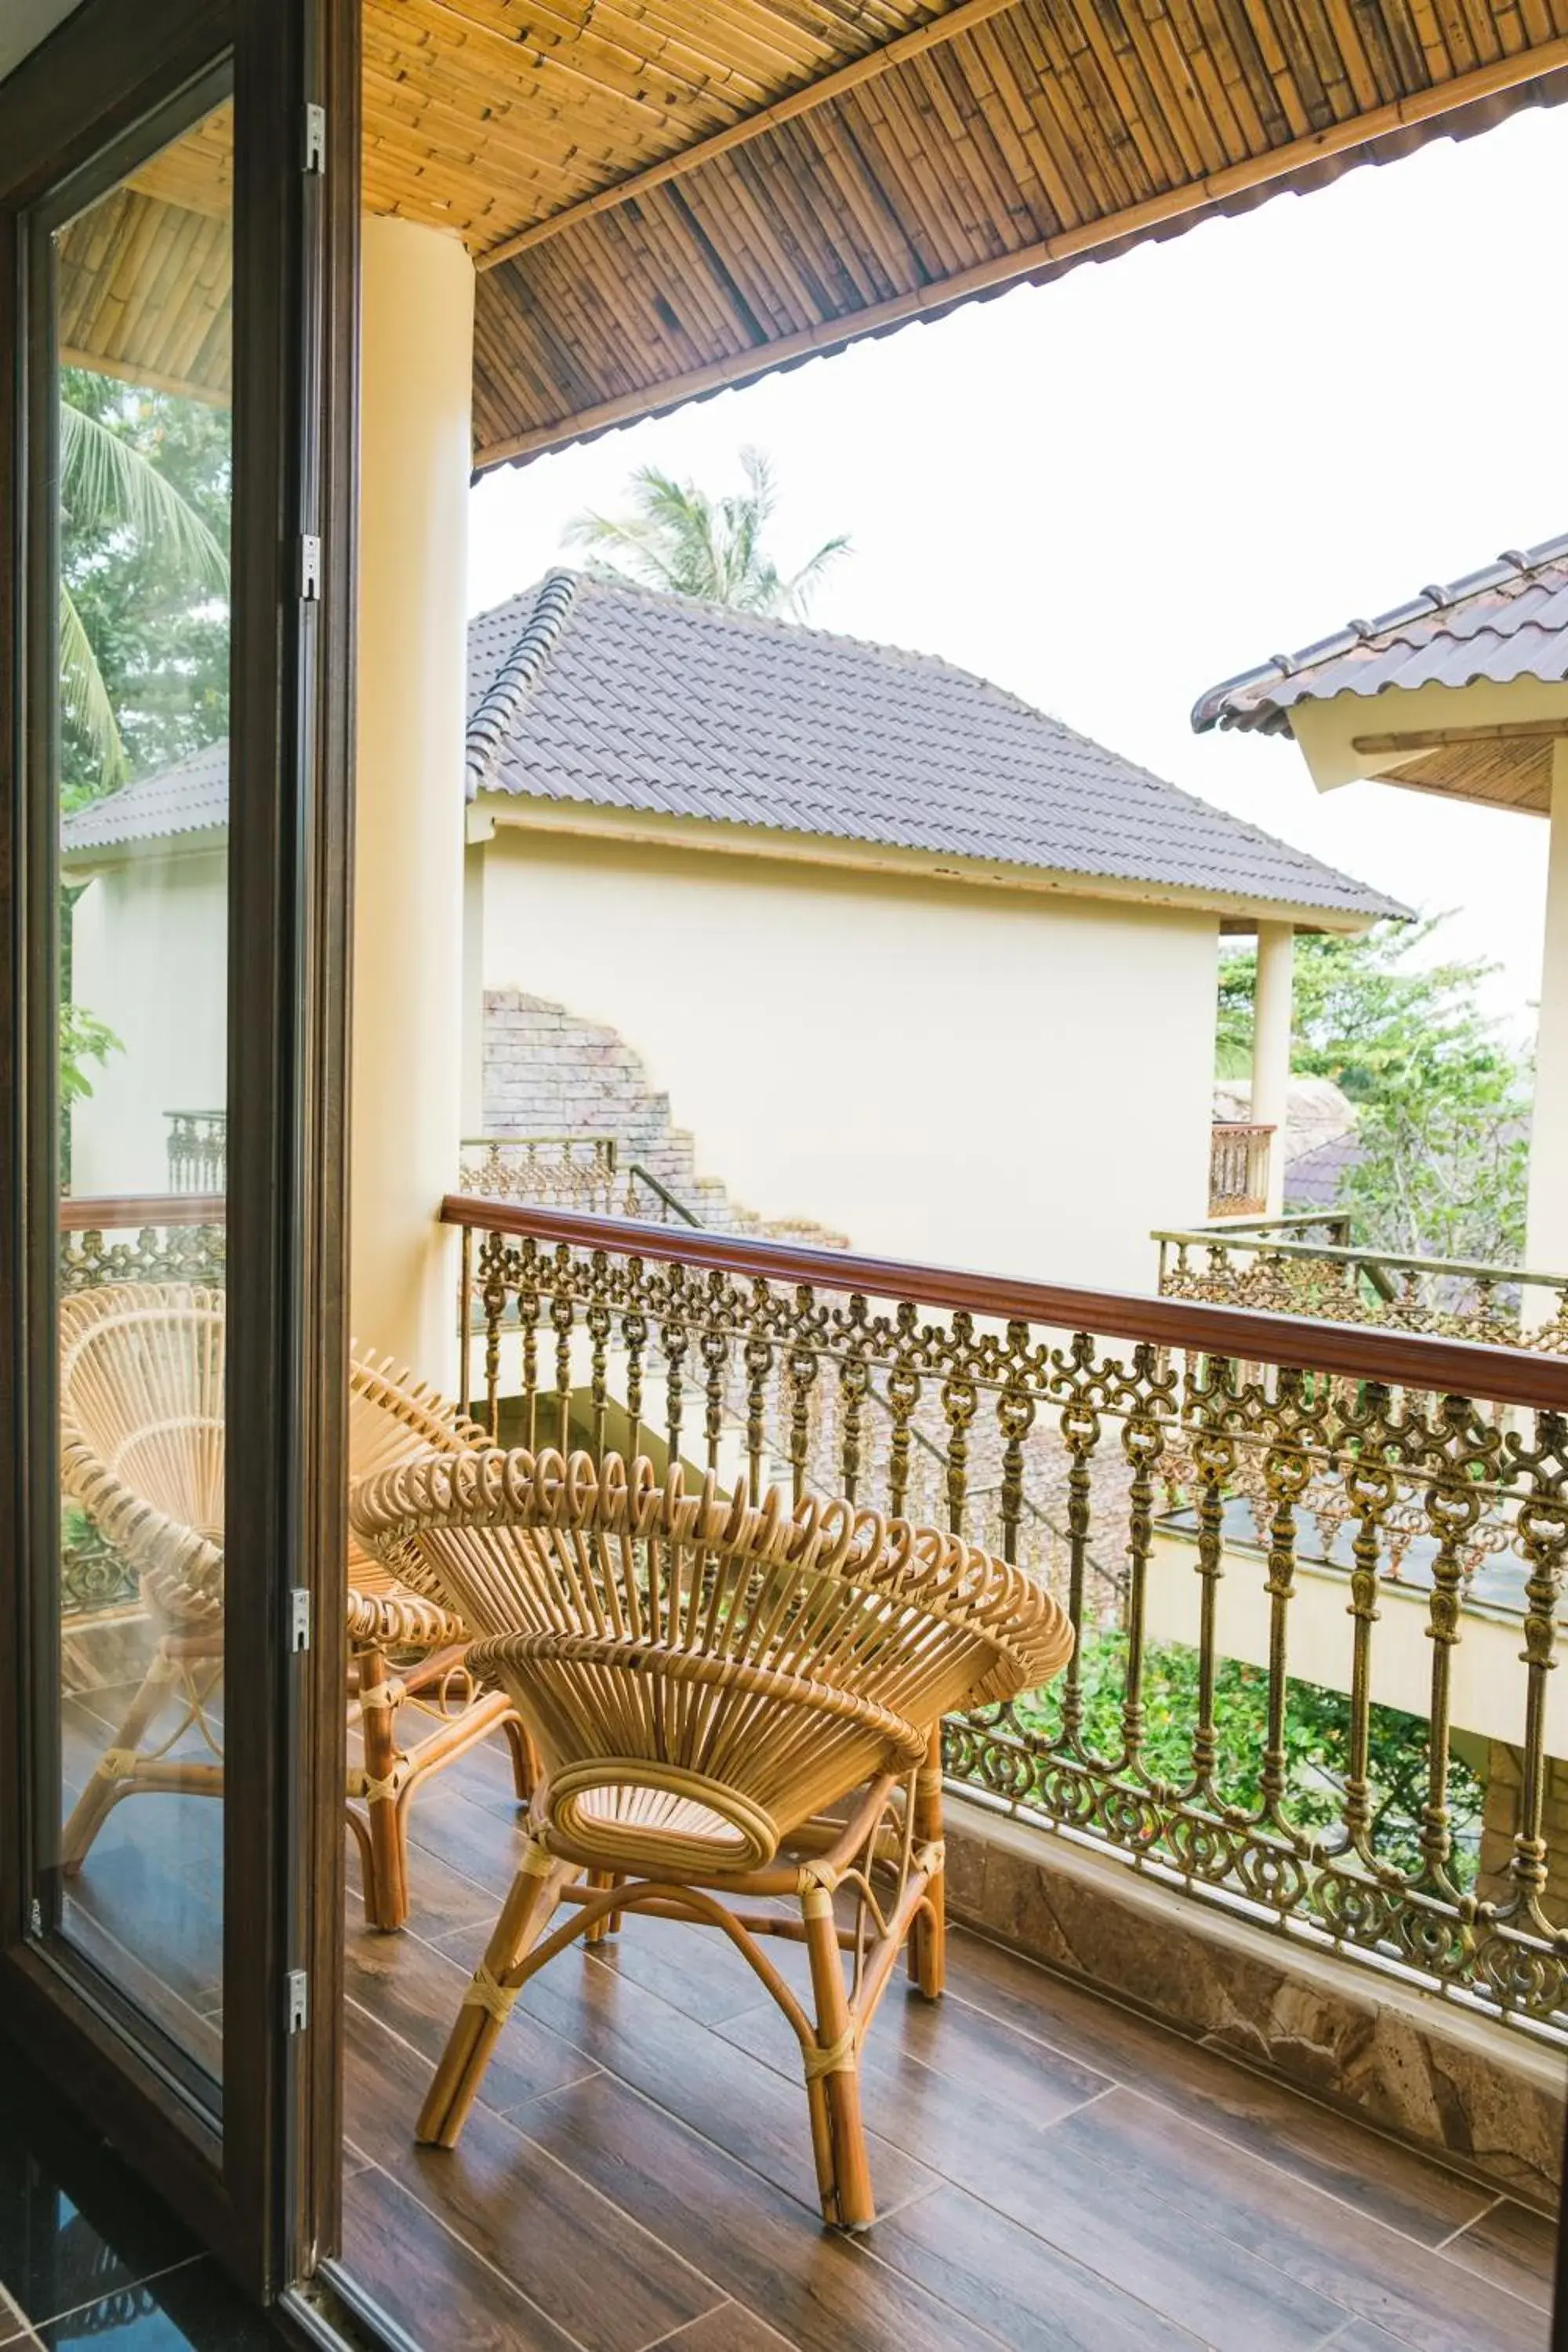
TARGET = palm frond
(84,696)
(677,536)
(802,585)
(104,480)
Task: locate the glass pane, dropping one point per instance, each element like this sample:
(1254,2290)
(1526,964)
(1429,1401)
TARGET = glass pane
(144,489)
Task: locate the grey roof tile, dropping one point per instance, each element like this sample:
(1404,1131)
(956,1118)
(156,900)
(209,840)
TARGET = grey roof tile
(1505,622)
(590,693)
(190,797)
(647,701)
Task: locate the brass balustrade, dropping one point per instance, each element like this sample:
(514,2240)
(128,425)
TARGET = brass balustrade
(197,1150)
(1238,1168)
(576,1171)
(1309,1265)
(1417,1487)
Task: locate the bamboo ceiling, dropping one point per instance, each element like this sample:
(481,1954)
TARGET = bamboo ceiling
(667,196)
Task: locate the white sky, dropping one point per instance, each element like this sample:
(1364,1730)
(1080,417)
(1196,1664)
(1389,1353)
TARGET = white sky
(1108,492)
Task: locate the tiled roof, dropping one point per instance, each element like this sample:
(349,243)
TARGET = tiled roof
(612,697)
(190,797)
(590,693)
(1507,621)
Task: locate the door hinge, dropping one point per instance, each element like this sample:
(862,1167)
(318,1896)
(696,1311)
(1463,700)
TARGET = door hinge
(310,568)
(300,1617)
(315,138)
(296,2002)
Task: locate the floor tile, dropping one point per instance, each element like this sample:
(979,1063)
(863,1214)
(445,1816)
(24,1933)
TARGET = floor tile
(1511,2246)
(196,2308)
(75,2224)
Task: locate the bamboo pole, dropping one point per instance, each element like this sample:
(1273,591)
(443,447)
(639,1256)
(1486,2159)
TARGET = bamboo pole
(945,27)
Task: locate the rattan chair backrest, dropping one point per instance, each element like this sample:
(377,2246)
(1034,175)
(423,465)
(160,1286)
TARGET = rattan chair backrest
(766,1658)
(141,1432)
(143,1428)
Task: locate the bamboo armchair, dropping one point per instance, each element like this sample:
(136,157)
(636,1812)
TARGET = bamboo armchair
(143,1429)
(705,1681)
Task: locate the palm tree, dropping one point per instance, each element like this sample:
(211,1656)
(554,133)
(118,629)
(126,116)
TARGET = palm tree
(108,484)
(677,536)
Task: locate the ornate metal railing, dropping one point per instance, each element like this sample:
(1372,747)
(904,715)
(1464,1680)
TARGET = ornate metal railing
(1309,1265)
(198,1150)
(1342,1552)
(149,1238)
(574,1171)
(1238,1168)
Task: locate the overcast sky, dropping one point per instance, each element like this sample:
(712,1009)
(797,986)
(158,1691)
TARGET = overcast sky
(1108,492)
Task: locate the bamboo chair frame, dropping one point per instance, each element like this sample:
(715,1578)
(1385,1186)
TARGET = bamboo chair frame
(142,1425)
(707,1682)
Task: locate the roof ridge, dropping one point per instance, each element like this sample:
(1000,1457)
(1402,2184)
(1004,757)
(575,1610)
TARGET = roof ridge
(1427,605)
(554,601)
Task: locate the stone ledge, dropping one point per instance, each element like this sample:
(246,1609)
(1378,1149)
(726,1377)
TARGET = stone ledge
(1452,2084)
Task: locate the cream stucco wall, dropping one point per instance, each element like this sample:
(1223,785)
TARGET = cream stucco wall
(149,956)
(941,1072)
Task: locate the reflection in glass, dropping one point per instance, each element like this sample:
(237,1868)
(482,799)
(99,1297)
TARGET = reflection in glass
(143,315)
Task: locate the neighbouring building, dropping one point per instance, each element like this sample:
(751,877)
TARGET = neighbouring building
(1462,691)
(903,955)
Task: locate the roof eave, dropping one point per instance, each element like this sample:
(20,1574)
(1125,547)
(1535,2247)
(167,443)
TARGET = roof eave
(493,811)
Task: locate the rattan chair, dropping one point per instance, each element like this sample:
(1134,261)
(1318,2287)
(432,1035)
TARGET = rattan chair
(142,1425)
(707,1682)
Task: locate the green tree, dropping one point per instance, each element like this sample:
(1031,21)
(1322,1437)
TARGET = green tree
(144,494)
(144,497)
(1442,1099)
(677,536)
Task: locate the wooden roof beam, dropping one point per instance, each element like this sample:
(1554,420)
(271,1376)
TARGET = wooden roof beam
(945,27)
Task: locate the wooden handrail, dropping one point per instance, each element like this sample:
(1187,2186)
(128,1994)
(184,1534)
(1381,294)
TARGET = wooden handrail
(1357,1351)
(119,1212)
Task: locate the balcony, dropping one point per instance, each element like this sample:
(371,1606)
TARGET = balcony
(1312,1263)
(1238,1168)
(1257,2031)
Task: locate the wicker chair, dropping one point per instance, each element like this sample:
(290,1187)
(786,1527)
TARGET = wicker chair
(706,1681)
(142,1424)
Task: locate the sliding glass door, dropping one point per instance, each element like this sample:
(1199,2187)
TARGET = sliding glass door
(177,204)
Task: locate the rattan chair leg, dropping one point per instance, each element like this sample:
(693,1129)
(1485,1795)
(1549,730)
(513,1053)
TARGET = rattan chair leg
(611,1920)
(386,1874)
(524,1916)
(835,2067)
(115,1773)
(525,1765)
(928,1930)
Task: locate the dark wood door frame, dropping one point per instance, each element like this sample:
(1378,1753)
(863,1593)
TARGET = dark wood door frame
(261,2191)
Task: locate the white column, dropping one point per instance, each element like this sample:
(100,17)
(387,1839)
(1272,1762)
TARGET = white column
(417,362)
(1546,1247)
(1271,1048)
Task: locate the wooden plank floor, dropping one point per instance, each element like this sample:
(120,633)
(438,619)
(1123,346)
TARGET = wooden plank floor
(1052,2173)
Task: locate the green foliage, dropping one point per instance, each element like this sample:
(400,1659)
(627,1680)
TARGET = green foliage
(143,580)
(1444,1100)
(675,537)
(1317,1745)
(83,1039)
